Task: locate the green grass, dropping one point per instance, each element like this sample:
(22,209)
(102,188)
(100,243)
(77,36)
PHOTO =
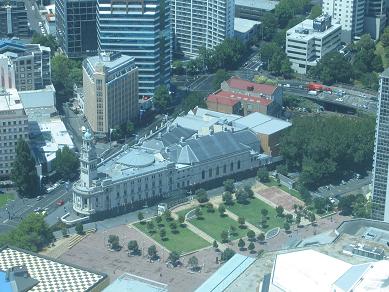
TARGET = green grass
(252,213)
(381,52)
(213,224)
(273,183)
(182,242)
(5,198)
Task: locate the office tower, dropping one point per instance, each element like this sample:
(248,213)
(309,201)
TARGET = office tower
(13,125)
(375,19)
(201,23)
(13,19)
(142,29)
(350,14)
(110,82)
(310,40)
(380,202)
(76,27)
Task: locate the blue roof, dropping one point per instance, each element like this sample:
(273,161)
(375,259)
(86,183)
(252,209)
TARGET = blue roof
(227,274)
(5,286)
(132,283)
(348,280)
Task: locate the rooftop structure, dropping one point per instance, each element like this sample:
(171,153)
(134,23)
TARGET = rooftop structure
(253,9)
(51,275)
(44,97)
(267,5)
(252,87)
(10,100)
(242,25)
(128,282)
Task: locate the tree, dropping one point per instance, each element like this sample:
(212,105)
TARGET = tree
(251,235)
(385,39)
(320,205)
(168,215)
(229,185)
(241,196)
(311,217)
(193,262)
(141,217)
(269,26)
(233,230)
(66,163)
(224,236)
(80,228)
(162,98)
(261,237)
(315,11)
(64,232)
(280,211)
(264,212)
(192,100)
(282,169)
(241,221)
(221,209)
(23,172)
(158,219)
(220,76)
(152,252)
(215,245)
(113,241)
(210,208)
(181,219)
(150,226)
(198,213)
(173,227)
(162,233)
(361,207)
(227,198)
(174,258)
(289,218)
(178,68)
(298,219)
(133,246)
(263,175)
(201,196)
(130,127)
(47,41)
(251,247)
(249,191)
(286,226)
(241,244)
(227,254)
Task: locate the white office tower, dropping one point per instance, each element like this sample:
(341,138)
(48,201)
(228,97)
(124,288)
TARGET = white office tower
(201,23)
(350,14)
(380,202)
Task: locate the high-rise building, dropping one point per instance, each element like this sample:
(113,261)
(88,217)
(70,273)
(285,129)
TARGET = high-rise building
(375,19)
(201,23)
(142,29)
(13,19)
(380,202)
(13,125)
(110,82)
(76,27)
(350,14)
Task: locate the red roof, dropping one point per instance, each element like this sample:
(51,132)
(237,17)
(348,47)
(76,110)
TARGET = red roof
(231,98)
(242,84)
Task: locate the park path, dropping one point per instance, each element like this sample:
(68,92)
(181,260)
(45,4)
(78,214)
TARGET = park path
(249,225)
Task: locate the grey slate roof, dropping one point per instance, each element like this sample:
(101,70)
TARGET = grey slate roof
(174,135)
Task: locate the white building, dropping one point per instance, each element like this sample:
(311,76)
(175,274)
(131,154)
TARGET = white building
(245,29)
(13,126)
(310,40)
(351,15)
(201,23)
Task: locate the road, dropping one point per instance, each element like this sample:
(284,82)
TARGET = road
(33,15)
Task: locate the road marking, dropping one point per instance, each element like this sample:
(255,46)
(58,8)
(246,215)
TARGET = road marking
(6,220)
(56,199)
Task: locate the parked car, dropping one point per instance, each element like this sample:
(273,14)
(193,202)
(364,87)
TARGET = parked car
(60,202)
(39,198)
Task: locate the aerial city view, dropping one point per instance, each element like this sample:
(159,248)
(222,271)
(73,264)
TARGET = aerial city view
(194,145)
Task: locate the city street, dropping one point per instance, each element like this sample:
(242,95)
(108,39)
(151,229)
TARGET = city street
(33,15)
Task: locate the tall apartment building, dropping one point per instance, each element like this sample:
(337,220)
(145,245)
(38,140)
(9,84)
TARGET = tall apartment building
(110,82)
(201,23)
(13,125)
(24,66)
(76,27)
(142,29)
(350,14)
(310,40)
(380,202)
(13,19)
(376,16)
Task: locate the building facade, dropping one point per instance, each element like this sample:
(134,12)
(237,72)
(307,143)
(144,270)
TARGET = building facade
(13,125)
(142,29)
(380,194)
(13,20)
(76,27)
(310,40)
(254,9)
(110,83)
(201,23)
(376,17)
(351,15)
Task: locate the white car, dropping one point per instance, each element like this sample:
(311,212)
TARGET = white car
(40,23)
(332,200)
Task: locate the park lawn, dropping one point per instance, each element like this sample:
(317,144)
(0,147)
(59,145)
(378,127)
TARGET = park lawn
(274,183)
(5,198)
(182,242)
(252,213)
(213,224)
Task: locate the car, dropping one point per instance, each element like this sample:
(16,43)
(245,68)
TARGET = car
(332,200)
(39,198)
(37,210)
(60,202)
(40,23)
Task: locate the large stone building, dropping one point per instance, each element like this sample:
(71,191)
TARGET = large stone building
(110,82)
(13,125)
(76,27)
(310,40)
(13,19)
(380,202)
(192,150)
(201,24)
(142,29)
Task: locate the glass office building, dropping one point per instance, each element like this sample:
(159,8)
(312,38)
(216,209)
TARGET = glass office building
(142,29)
(76,27)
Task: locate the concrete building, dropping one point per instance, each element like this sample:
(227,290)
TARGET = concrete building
(310,40)
(375,17)
(24,66)
(245,29)
(142,29)
(110,82)
(13,125)
(197,24)
(350,14)
(253,9)
(76,27)
(129,282)
(380,194)
(13,19)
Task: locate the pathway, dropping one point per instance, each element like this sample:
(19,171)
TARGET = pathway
(249,225)
(203,235)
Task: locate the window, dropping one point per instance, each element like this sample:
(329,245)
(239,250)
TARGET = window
(210,172)
(231,166)
(203,174)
